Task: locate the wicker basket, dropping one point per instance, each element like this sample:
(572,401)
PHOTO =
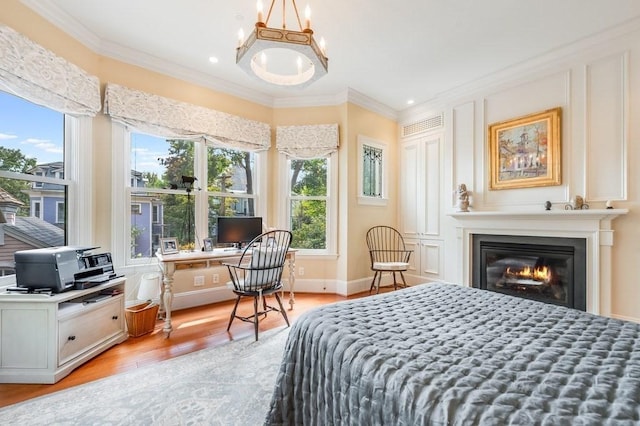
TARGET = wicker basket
(141,319)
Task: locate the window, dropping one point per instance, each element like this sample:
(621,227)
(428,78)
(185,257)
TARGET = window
(33,144)
(372,171)
(311,212)
(60,212)
(231,185)
(36,209)
(163,204)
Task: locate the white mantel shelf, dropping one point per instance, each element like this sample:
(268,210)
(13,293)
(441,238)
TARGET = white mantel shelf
(595,214)
(595,225)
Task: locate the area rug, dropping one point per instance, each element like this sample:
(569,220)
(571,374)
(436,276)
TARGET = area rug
(228,385)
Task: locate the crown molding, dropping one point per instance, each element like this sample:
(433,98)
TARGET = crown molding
(522,71)
(52,13)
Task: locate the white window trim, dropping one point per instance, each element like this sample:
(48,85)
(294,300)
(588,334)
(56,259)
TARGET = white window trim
(35,203)
(384,147)
(284,212)
(58,218)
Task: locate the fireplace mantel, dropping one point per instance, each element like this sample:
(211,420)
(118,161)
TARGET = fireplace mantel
(595,214)
(593,225)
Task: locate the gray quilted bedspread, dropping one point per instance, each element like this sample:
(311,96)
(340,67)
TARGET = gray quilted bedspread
(441,354)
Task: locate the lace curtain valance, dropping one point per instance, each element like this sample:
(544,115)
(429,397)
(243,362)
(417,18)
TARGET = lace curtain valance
(311,141)
(173,119)
(32,72)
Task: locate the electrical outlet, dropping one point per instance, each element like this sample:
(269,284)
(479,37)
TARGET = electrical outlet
(216,278)
(198,281)
(301,270)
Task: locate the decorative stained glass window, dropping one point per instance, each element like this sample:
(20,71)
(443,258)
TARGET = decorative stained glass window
(371,171)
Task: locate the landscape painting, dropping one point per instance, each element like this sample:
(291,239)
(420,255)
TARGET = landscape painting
(525,151)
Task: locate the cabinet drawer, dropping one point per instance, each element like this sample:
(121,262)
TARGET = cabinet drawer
(79,333)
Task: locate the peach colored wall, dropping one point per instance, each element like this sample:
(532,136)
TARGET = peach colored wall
(361,217)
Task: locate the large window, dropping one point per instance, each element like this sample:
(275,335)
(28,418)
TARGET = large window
(311,207)
(178,189)
(32,163)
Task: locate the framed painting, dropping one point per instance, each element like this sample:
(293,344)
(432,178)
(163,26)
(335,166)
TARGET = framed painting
(525,152)
(168,245)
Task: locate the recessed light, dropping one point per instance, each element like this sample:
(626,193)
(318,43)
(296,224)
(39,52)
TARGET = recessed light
(410,102)
(213,59)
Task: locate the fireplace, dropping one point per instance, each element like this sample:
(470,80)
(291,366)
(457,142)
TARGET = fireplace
(546,269)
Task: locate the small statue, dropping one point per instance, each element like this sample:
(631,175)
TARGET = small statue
(577,203)
(547,205)
(609,204)
(463,198)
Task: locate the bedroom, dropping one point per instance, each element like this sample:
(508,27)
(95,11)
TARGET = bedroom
(595,81)
(592,78)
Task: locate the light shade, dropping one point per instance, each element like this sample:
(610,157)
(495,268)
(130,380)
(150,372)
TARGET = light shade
(149,288)
(312,63)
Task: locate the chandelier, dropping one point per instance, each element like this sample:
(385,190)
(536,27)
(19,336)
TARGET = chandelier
(280,56)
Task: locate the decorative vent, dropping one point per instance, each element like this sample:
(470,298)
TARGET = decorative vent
(425,125)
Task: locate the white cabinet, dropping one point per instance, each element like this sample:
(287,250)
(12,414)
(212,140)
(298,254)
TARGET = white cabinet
(420,173)
(420,205)
(44,337)
(426,260)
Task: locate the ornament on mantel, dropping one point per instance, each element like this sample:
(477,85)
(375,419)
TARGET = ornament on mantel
(547,205)
(463,198)
(608,204)
(577,203)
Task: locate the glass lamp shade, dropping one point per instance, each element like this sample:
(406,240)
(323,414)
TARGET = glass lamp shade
(149,288)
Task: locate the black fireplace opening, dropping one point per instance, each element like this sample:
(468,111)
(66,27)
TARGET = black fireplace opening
(546,269)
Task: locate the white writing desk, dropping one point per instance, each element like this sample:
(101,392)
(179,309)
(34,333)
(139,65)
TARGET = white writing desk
(170,263)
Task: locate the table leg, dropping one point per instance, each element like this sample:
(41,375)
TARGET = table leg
(292,281)
(167,297)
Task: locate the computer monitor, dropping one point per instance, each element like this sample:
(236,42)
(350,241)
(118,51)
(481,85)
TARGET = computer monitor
(238,230)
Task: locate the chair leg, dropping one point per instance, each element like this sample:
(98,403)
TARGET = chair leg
(373,281)
(379,279)
(255,315)
(403,280)
(233,313)
(282,311)
(395,282)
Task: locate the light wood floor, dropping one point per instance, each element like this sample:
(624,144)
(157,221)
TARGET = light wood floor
(193,329)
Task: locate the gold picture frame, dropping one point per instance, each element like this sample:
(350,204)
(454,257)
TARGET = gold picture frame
(525,152)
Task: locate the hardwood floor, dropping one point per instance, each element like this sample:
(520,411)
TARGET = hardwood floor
(193,329)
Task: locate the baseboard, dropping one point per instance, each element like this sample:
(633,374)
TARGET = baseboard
(191,299)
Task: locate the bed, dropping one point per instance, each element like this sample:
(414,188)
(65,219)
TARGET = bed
(443,354)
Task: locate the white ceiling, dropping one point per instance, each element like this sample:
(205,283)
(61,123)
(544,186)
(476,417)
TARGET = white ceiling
(389,50)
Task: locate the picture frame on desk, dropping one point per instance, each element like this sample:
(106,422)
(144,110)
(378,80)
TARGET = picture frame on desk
(207,244)
(168,245)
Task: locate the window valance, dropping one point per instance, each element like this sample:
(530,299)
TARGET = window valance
(32,72)
(169,118)
(310,141)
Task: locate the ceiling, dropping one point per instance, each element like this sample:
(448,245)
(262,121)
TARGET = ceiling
(387,50)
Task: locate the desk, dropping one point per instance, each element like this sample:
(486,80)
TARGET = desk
(169,263)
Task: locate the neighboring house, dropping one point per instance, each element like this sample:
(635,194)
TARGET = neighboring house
(147,219)
(22,233)
(47,199)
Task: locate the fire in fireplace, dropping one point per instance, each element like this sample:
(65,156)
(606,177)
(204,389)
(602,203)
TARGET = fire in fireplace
(547,269)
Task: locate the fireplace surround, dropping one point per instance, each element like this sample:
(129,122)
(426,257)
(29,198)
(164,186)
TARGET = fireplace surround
(546,269)
(593,225)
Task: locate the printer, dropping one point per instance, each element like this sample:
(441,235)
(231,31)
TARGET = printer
(60,269)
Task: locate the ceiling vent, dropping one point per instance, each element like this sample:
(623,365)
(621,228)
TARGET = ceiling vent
(421,126)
